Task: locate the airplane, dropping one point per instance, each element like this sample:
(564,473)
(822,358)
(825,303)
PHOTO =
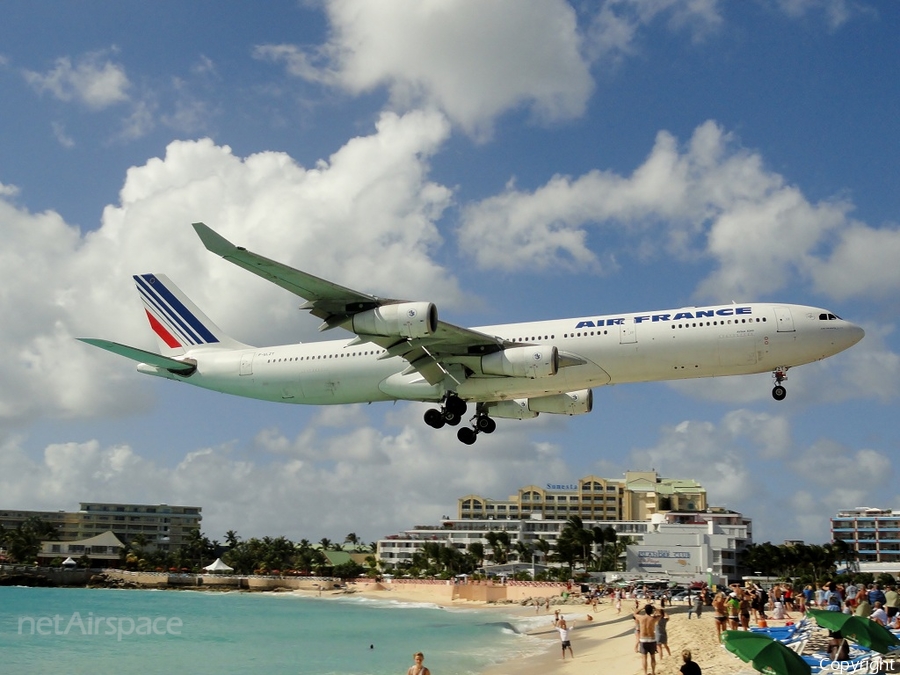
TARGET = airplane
(402,351)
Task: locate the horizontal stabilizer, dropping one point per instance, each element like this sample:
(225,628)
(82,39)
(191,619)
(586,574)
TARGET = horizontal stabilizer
(141,356)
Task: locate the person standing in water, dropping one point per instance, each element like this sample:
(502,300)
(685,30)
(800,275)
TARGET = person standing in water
(418,667)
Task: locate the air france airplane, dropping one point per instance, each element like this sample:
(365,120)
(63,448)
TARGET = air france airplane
(402,351)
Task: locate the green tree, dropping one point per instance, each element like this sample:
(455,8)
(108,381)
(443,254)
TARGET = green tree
(348,570)
(24,542)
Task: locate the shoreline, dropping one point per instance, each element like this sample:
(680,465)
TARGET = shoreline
(606,643)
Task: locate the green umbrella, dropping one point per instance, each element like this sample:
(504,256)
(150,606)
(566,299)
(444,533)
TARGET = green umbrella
(764,654)
(866,632)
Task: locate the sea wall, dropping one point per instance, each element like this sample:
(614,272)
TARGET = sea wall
(474,591)
(218,581)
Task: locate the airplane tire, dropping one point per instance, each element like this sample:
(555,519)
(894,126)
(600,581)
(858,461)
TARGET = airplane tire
(456,405)
(433,418)
(451,418)
(466,435)
(779,392)
(486,424)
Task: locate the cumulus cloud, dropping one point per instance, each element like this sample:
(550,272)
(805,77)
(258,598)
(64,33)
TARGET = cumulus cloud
(364,217)
(284,488)
(709,198)
(791,492)
(474,61)
(93,80)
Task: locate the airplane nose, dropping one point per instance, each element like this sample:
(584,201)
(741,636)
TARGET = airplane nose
(854,334)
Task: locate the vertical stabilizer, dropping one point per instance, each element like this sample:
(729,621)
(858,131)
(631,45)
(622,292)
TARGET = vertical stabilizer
(178,323)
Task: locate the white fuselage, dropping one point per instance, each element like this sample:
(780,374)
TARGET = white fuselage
(654,346)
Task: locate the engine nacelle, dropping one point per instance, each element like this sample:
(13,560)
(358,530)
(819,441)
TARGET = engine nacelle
(571,403)
(516,409)
(404,319)
(531,362)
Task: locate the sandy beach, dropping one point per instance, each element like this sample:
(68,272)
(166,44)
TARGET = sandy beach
(605,644)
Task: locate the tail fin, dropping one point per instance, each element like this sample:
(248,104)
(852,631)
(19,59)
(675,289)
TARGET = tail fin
(178,323)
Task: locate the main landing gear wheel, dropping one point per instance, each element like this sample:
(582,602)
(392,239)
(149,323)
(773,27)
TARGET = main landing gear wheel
(467,435)
(434,418)
(485,424)
(450,413)
(778,391)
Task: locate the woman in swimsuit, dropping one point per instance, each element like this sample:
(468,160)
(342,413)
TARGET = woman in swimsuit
(719,613)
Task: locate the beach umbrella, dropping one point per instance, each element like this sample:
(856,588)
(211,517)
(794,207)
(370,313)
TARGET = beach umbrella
(764,654)
(866,632)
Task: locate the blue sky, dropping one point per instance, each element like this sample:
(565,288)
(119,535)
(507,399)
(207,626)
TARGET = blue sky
(509,161)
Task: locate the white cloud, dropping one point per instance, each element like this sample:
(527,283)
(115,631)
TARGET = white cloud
(365,218)
(59,131)
(862,264)
(356,480)
(93,80)
(472,60)
(710,199)
(616,28)
(790,497)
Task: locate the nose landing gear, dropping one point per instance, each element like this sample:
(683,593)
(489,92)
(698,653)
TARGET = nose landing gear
(778,391)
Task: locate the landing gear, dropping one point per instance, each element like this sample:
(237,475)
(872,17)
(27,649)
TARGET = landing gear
(482,424)
(778,391)
(450,413)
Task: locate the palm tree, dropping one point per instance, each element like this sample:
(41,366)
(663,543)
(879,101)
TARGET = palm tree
(574,536)
(232,538)
(24,543)
(499,543)
(351,539)
(476,550)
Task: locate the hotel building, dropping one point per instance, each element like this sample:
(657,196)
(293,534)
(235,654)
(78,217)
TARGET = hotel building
(873,533)
(667,518)
(164,527)
(636,497)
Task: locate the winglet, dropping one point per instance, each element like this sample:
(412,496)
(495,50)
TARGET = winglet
(214,241)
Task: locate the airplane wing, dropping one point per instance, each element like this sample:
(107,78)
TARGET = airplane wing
(335,305)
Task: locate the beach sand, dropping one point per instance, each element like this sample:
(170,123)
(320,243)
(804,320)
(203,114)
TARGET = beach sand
(605,644)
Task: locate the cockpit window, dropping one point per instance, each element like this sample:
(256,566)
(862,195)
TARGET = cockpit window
(829,317)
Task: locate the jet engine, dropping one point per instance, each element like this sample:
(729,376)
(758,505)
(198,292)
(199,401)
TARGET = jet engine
(531,362)
(404,319)
(516,409)
(570,403)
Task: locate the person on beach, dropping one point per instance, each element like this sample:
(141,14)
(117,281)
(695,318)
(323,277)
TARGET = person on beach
(662,637)
(564,629)
(646,621)
(719,613)
(418,667)
(698,605)
(690,667)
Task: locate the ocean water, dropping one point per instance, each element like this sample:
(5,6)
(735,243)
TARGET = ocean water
(100,631)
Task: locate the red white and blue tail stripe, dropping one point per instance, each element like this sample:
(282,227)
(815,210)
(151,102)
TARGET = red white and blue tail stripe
(178,323)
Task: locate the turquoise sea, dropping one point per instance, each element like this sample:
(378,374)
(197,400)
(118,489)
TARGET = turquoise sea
(99,632)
